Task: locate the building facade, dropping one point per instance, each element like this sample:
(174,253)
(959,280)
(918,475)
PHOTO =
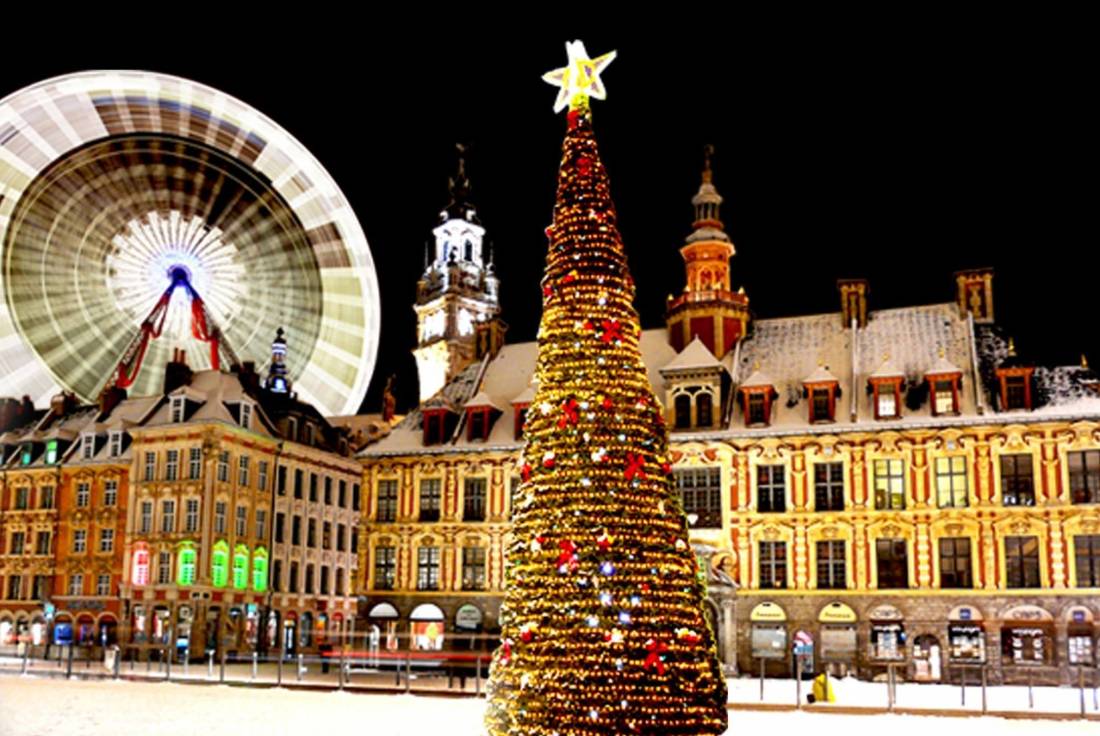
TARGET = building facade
(888,487)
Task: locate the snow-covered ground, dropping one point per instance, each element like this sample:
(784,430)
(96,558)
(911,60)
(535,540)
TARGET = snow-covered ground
(45,707)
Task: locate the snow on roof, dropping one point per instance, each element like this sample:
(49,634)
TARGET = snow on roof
(821,374)
(942,365)
(481,399)
(695,356)
(527,396)
(757,379)
(888,369)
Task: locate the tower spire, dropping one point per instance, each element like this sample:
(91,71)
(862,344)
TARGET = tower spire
(277,380)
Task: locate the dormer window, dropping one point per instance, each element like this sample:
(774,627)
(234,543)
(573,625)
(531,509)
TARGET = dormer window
(116,444)
(1016,392)
(51,452)
(246,415)
(434,426)
(758,409)
(1015,376)
(886,403)
(943,397)
(885,388)
(87,446)
(821,405)
(682,408)
(179,404)
(822,389)
(704,410)
(26,454)
(478,424)
(292,428)
(757,394)
(520,418)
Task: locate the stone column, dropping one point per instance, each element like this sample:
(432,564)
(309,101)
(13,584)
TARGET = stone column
(729,636)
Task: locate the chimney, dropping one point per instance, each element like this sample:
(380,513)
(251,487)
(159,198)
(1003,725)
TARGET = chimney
(10,413)
(109,399)
(974,293)
(176,371)
(853,301)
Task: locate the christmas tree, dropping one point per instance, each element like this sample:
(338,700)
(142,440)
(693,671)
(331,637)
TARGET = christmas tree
(602,622)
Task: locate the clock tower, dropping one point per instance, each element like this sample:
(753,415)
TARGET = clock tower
(457,305)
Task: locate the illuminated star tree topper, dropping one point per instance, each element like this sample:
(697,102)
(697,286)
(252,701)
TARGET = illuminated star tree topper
(580,78)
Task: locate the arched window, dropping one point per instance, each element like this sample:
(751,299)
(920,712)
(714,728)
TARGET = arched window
(469,251)
(703,407)
(259,570)
(185,571)
(240,567)
(219,564)
(139,569)
(683,411)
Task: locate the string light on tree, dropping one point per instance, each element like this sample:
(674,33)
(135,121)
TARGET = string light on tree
(603,624)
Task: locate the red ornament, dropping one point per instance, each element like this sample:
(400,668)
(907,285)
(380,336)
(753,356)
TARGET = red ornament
(666,468)
(569,277)
(688,636)
(645,587)
(567,560)
(603,541)
(527,633)
(655,649)
(549,232)
(525,472)
(612,331)
(607,403)
(588,325)
(570,415)
(506,652)
(548,459)
(547,291)
(635,466)
(584,166)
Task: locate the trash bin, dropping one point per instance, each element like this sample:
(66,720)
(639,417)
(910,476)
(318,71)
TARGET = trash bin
(823,689)
(110,655)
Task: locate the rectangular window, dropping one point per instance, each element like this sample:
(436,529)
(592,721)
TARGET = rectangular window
(773,564)
(292,583)
(106,540)
(326,535)
(220,510)
(1015,392)
(1022,562)
(261,480)
(103,585)
(324,580)
(354,541)
(51,452)
(831,565)
(955,567)
(311,535)
(15,582)
(758,413)
(829,486)
(164,568)
(887,402)
(246,415)
(1084,476)
(116,444)
(194,463)
(242,521)
(387,500)
(341,535)
(191,515)
(280,480)
(178,409)
(479,424)
(473,568)
(45,497)
(40,587)
(944,396)
(43,547)
(299,483)
(76,584)
(1017,481)
(146,517)
(892,559)
(701,493)
(343,494)
(473,499)
(313,488)
(261,524)
(80,540)
(17,543)
(355,496)
(385,568)
(427,571)
(280,526)
(433,427)
(87,446)
(328,490)
(521,421)
(277,576)
(951,485)
(110,493)
(1086,548)
(223,466)
(296,530)
(821,406)
(242,470)
(308,589)
(168,516)
(83,495)
(150,466)
(771,488)
(22,498)
(171,464)
(890,484)
(429,499)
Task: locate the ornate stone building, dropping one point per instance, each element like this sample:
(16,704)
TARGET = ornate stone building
(887,486)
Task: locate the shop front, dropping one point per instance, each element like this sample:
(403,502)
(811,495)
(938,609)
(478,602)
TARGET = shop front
(768,622)
(1027,644)
(426,627)
(927,659)
(290,633)
(1080,637)
(469,624)
(965,638)
(838,649)
(886,639)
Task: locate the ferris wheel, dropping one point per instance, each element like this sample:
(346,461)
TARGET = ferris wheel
(142,213)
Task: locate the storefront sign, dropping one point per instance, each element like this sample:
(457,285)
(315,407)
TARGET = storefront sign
(468,617)
(1028,613)
(1079,615)
(767,611)
(769,641)
(837,613)
(885,612)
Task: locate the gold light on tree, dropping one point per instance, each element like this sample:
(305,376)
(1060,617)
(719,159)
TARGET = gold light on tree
(602,622)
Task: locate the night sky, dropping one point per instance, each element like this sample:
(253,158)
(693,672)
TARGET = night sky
(900,160)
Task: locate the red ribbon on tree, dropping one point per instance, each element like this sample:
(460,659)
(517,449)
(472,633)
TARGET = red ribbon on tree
(525,472)
(584,166)
(567,560)
(612,330)
(635,466)
(506,652)
(655,649)
(569,415)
